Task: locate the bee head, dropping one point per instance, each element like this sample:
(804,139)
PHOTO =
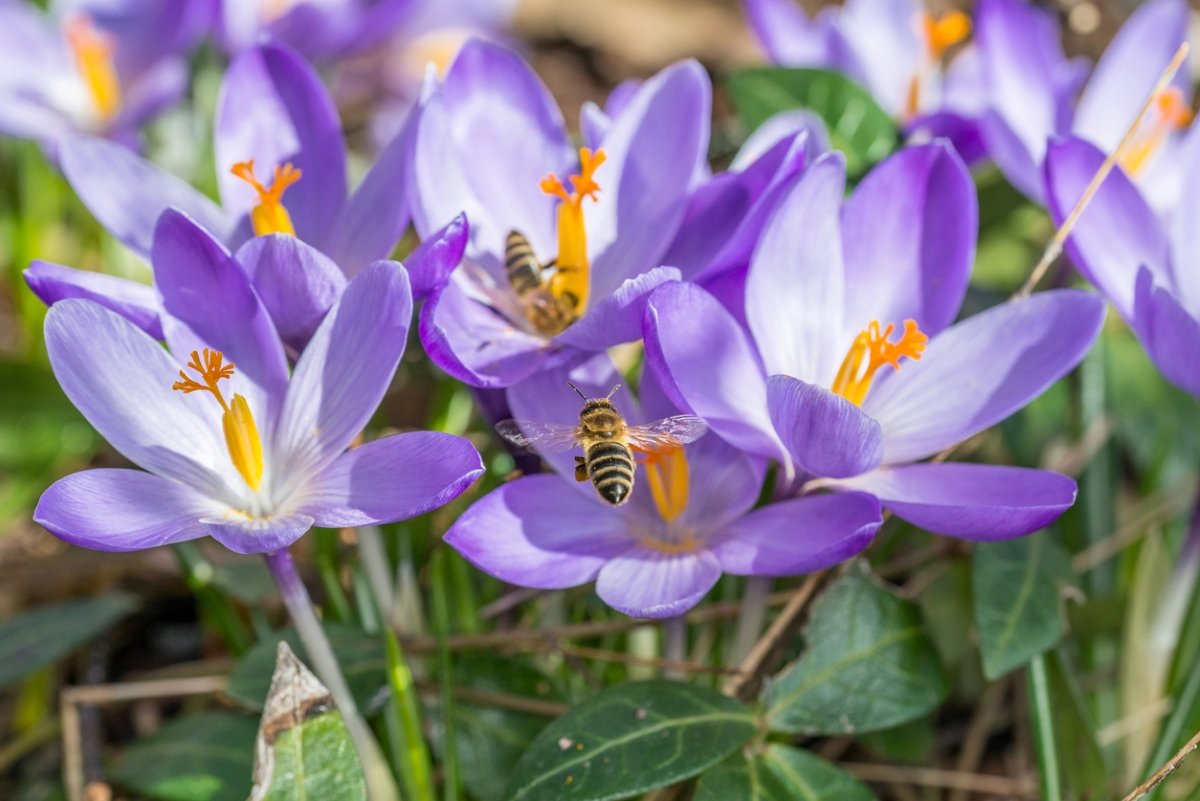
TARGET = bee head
(592,404)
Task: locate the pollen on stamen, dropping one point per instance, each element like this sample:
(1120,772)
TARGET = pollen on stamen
(1169,112)
(93,51)
(571,277)
(269,216)
(668,475)
(871,350)
(945,31)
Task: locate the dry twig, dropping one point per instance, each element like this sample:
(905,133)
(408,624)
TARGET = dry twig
(1166,770)
(948,779)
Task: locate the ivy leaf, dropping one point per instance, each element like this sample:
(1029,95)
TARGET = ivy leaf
(857,125)
(630,739)
(303,750)
(779,773)
(869,665)
(36,639)
(1016,588)
(202,757)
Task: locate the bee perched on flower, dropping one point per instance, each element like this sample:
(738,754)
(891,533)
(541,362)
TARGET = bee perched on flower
(492,143)
(849,371)
(102,68)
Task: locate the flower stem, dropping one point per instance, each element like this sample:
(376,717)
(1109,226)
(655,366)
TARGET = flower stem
(441,628)
(380,784)
(1043,728)
(750,618)
(373,556)
(675,644)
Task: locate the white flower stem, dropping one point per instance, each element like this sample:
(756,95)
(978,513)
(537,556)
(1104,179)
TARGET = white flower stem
(675,644)
(373,555)
(381,786)
(750,618)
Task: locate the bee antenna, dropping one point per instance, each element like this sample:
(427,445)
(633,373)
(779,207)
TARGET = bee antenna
(572,386)
(614,392)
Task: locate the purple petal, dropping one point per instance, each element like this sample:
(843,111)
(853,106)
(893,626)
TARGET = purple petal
(538,532)
(1169,333)
(152,93)
(617,318)
(799,535)
(908,235)
(211,304)
(274,109)
(1019,45)
(392,479)
(646,582)
(825,433)
(786,125)
(965,134)
(1185,221)
(787,34)
(1020,167)
(1128,70)
(978,502)
(128,194)
(885,40)
(122,510)
(136,302)
(430,265)
(377,214)
(491,96)
(475,344)
(654,148)
(593,124)
(707,365)
(146,31)
(724,482)
(345,371)
(257,536)
(1116,234)
(795,290)
(978,372)
(120,379)
(295,282)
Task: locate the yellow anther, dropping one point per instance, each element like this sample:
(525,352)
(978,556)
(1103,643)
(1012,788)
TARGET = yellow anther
(241,434)
(571,279)
(872,350)
(668,476)
(269,216)
(1169,112)
(945,31)
(93,51)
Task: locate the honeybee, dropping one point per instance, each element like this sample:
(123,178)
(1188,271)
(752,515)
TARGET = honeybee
(529,280)
(607,440)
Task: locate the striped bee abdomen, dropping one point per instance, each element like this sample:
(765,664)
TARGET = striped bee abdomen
(610,466)
(520,265)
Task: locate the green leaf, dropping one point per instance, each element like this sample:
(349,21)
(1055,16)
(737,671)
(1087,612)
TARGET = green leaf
(857,125)
(361,655)
(779,773)
(490,740)
(203,757)
(303,750)
(869,665)
(630,739)
(36,639)
(1016,588)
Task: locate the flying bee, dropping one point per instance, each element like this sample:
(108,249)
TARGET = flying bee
(529,279)
(608,442)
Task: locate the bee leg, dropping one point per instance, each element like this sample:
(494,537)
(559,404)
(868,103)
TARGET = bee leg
(580,469)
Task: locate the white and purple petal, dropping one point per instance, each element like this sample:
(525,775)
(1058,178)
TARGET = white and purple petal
(648,582)
(136,302)
(826,434)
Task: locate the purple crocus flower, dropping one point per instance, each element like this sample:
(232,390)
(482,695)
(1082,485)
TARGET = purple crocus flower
(690,518)
(896,49)
(298,232)
(97,67)
(1032,89)
(322,30)
(491,142)
(837,298)
(235,447)
(1147,268)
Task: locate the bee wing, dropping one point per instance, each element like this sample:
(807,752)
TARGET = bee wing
(545,437)
(670,432)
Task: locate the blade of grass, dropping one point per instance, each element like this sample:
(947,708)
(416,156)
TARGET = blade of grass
(415,768)
(441,625)
(1042,712)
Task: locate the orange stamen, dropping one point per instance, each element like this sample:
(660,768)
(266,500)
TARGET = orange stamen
(571,277)
(945,31)
(667,474)
(241,433)
(1168,113)
(93,51)
(269,216)
(872,350)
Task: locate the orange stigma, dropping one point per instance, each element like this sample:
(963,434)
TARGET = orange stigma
(93,51)
(269,216)
(945,31)
(571,277)
(241,434)
(872,350)
(668,476)
(1167,114)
